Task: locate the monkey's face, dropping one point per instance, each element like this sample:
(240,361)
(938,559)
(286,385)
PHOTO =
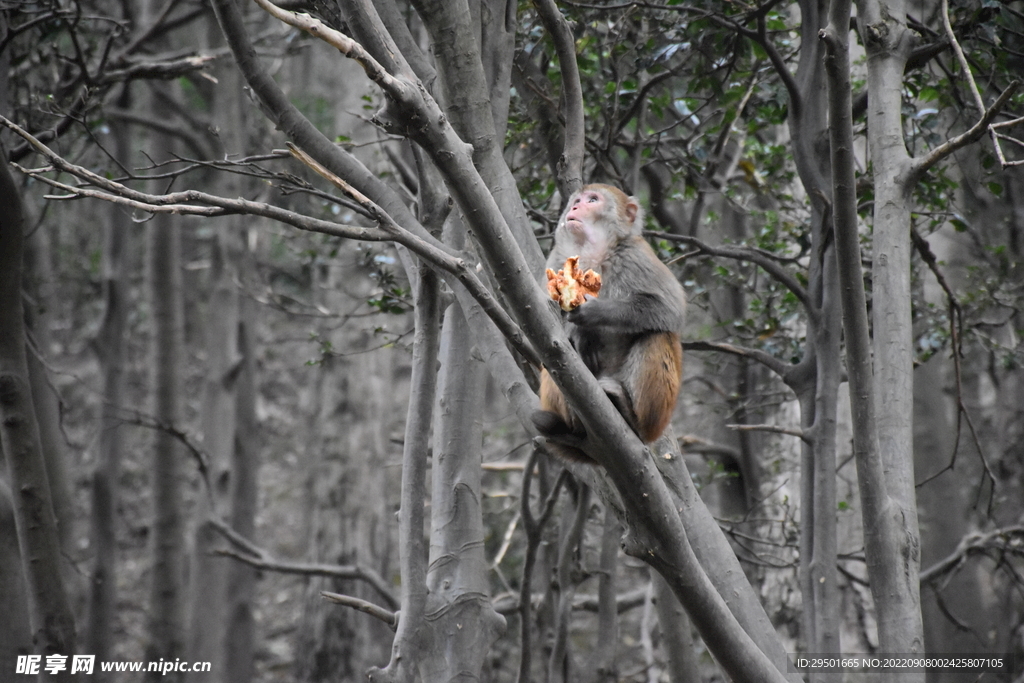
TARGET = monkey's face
(584,209)
(584,218)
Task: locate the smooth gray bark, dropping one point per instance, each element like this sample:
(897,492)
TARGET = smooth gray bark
(457,575)
(409,643)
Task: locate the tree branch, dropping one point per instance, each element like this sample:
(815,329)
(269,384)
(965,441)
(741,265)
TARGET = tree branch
(920,166)
(773,429)
(757,257)
(435,255)
(185,203)
(777,366)
(570,163)
(335,571)
(1002,540)
(389,618)
(348,47)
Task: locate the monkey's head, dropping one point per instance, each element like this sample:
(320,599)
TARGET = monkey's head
(598,213)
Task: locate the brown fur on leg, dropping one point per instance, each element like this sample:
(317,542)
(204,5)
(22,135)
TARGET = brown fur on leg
(556,422)
(659,374)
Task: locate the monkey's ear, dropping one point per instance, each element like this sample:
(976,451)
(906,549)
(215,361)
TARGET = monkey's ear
(632,209)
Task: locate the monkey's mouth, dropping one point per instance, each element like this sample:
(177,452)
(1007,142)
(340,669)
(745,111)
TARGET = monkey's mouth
(575,226)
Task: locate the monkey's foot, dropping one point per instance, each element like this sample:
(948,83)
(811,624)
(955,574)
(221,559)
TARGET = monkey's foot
(550,424)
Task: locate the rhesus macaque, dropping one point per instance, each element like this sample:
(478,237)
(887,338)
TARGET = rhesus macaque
(628,335)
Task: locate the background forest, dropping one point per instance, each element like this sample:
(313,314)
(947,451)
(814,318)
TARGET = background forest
(271,329)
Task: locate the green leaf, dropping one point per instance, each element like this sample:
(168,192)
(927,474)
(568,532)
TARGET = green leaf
(995,188)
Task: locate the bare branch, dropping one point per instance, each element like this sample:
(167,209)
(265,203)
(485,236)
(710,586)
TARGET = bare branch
(389,618)
(348,47)
(237,539)
(958,51)
(335,571)
(189,202)
(973,134)
(768,262)
(433,254)
(773,429)
(956,317)
(193,202)
(570,163)
(1004,540)
(166,69)
(766,359)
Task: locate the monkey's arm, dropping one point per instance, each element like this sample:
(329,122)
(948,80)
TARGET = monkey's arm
(639,312)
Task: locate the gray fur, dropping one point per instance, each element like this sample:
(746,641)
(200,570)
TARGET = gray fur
(639,297)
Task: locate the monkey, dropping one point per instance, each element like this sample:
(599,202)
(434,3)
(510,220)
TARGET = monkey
(629,335)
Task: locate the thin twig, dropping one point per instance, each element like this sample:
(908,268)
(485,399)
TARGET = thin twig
(777,366)
(773,429)
(768,262)
(956,321)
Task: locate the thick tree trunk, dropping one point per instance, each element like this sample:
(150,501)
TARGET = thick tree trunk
(882,438)
(897,593)
(464,624)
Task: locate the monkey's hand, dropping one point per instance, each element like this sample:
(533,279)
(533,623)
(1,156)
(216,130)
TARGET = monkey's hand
(570,286)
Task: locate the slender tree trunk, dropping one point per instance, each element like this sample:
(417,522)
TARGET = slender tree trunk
(897,598)
(53,624)
(410,644)
(562,666)
(166,608)
(239,648)
(110,346)
(166,602)
(39,283)
(167,599)
(15,629)
(606,651)
(818,386)
(209,572)
(676,635)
